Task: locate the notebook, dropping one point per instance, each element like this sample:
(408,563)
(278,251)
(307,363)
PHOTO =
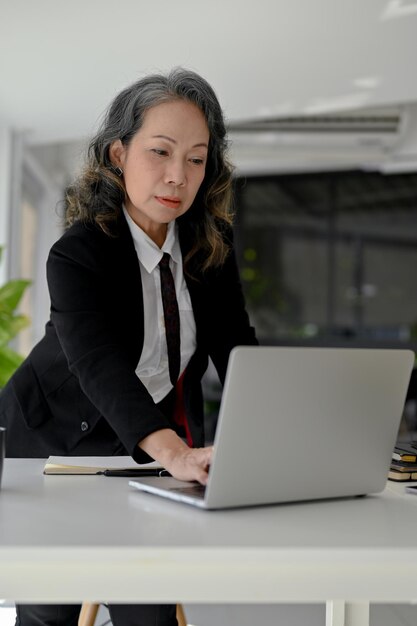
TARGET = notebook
(300,424)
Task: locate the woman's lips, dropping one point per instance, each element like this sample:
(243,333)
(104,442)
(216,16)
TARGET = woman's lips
(168,201)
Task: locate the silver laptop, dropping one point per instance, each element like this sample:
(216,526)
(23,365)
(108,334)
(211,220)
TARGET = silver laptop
(300,424)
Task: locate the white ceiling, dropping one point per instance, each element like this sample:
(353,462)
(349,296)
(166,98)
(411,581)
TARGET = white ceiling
(62,62)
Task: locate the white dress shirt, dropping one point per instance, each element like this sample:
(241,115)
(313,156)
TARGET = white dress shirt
(152,368)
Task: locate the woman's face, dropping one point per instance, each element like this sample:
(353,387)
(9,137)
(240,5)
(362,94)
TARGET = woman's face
(163,165)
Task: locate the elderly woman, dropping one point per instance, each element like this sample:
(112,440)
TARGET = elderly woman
(144,288)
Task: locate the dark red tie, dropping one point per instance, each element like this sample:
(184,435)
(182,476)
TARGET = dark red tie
(172,318)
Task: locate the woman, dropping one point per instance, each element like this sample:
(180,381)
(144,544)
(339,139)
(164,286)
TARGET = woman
(106,378)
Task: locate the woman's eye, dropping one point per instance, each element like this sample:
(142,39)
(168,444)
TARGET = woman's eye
(197,161)
(159,151)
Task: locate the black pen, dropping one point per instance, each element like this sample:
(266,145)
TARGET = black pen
(130,473)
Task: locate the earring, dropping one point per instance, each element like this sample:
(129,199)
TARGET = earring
(118,171)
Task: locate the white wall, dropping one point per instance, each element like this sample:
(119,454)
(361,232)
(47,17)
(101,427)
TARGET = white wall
(5,182)
(23,180)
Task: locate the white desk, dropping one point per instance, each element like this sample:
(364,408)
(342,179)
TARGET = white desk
(73,538)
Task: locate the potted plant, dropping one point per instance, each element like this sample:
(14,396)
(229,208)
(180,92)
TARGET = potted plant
(11,323)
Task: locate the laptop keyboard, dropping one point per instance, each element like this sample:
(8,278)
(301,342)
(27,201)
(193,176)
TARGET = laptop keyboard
(196,491)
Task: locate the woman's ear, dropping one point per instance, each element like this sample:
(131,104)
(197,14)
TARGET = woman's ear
(116,153)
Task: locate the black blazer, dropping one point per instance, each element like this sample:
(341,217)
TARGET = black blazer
(77,392)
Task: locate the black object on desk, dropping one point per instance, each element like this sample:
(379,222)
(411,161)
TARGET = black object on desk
(135,472)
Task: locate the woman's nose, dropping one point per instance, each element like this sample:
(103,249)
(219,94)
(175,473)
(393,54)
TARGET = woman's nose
(175,174)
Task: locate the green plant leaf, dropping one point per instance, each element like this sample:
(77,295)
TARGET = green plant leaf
(11,293)
(9,362)
(11,325)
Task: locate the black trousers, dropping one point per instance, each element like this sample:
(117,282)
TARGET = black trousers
(121,614)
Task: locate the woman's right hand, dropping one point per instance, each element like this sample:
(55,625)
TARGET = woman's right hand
(181,461)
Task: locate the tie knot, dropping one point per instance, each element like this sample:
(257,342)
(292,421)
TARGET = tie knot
(164,262)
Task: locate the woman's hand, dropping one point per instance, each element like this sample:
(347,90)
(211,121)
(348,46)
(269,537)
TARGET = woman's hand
(191,464)
(182,462)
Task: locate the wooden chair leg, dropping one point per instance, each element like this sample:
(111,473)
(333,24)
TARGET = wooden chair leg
(181,616)
(88,614)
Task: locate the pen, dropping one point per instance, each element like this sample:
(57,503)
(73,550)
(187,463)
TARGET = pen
(136,472)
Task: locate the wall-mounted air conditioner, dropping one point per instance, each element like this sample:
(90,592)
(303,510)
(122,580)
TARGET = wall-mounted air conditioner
(369,138)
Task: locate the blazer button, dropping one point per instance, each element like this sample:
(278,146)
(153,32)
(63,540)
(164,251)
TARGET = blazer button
(84,426)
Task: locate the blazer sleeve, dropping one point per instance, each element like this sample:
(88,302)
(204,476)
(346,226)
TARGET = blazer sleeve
(224,320)
(92,298)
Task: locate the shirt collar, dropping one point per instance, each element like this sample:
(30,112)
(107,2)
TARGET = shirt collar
(149,254)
